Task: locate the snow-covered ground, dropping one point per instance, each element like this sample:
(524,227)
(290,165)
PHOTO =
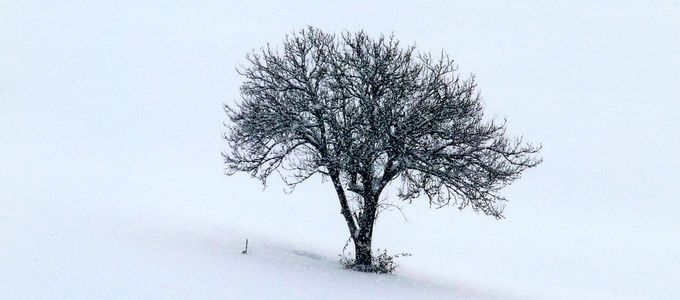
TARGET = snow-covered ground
(111,181)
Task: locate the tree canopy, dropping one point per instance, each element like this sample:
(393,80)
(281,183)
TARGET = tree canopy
(366,112)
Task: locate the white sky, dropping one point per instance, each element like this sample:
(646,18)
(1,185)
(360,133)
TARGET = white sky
(105,101)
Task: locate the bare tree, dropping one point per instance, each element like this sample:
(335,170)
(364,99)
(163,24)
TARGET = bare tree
(365,112)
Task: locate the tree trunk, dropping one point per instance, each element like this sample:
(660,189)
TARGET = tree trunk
(360,230)
(362,243)
(363,258)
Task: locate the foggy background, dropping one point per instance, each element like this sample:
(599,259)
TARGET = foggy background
(111,121)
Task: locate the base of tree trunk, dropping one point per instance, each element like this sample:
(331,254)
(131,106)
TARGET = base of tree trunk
(366,261)
(365,268)
(363,260)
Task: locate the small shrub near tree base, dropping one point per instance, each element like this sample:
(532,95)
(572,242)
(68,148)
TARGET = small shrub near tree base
(382,262)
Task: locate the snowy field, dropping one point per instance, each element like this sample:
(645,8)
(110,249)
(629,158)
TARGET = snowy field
(112,185)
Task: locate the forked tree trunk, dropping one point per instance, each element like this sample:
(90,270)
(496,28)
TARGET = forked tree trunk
(360,230)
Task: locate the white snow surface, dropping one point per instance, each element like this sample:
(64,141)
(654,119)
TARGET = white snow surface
(111,179)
